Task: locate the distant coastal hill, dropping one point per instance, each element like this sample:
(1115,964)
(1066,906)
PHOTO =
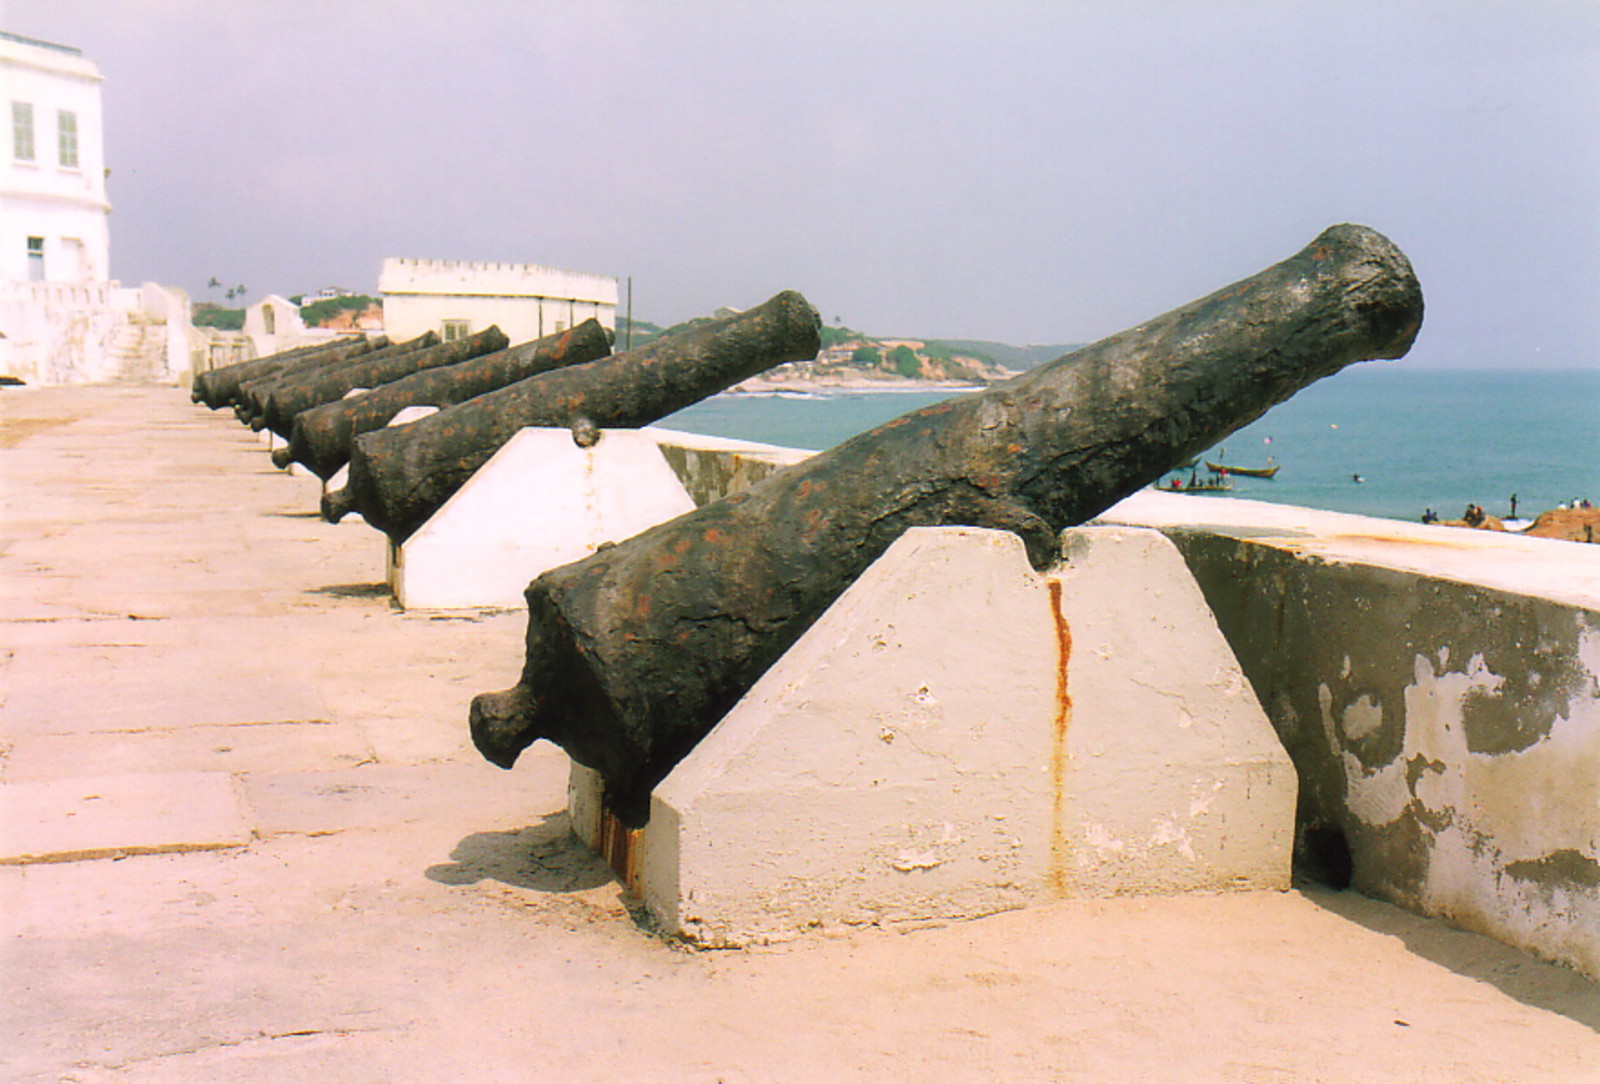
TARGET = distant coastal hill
(852,358)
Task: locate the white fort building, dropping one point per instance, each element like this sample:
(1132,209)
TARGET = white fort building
(62,318)
(457,299)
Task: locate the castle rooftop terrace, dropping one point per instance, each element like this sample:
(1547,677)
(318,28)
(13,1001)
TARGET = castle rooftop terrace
(350,893)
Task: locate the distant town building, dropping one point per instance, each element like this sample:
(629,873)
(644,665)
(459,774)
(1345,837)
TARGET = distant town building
(457,299)
(327,293)
(274,324)
(63,318)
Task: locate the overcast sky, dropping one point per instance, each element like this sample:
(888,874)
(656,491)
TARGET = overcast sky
(1027,172)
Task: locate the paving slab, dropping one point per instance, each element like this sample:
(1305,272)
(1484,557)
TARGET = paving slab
(229,747)
(113,816)
(88,690)
(387,796)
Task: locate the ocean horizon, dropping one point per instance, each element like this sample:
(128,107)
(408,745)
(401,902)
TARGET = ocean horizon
(1374,440)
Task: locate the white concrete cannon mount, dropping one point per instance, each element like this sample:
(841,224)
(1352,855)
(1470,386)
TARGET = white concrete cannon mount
(958,735)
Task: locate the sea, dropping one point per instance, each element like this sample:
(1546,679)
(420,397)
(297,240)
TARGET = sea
(1375,439)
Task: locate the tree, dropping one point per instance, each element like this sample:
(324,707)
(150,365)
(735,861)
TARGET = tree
(866,357)
(905,361)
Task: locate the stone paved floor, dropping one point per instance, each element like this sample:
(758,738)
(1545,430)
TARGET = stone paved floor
(245,838)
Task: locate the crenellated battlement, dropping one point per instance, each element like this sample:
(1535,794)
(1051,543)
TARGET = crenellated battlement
(458,278)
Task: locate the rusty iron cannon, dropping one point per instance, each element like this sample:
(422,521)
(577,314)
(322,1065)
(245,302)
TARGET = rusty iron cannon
(271,400)
(635,653)
(399,477)
(219,387)
(330,383)
(250,405)
(322,436)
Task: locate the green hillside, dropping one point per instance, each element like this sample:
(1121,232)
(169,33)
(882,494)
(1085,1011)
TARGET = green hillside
(1012,357)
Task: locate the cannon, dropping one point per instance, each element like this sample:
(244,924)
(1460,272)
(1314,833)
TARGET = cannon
(322,436)
(220,387)
(327,384)
(634,653)
(250,405)
(399,477)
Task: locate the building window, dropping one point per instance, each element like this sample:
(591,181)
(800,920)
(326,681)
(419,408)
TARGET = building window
(269,319)
(455,329)
(67,136)
(22,131)
(36,259)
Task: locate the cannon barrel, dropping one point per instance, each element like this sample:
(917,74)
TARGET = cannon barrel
(328,384)
(219,387)
(634,653)
(200,389)
(250,405)
(399,477)
(322,436)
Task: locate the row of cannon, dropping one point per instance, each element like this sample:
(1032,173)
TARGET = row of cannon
(634,653)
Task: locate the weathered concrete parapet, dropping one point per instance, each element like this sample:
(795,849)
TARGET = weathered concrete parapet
(1439,692)
(959,735)
(713,467)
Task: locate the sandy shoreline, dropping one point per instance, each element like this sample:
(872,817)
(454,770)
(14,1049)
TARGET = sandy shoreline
(764,386)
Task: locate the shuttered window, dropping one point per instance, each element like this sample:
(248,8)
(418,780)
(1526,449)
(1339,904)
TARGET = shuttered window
(22,131)
(67,138)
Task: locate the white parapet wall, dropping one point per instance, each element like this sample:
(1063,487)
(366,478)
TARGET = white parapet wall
(710,468)
(1439,691)
(959,735)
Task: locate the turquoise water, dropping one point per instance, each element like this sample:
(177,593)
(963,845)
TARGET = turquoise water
(1418,439)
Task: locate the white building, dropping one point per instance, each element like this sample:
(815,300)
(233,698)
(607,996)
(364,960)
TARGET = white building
(457,299)
(63,318)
